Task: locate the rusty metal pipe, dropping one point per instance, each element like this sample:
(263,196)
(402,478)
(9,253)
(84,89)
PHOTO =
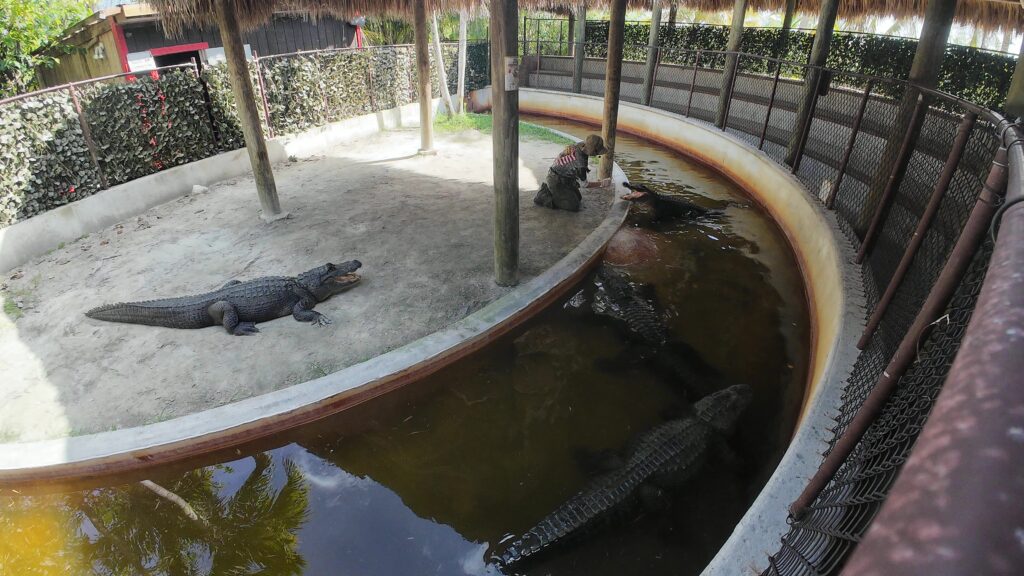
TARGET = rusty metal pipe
(731,92)
(830,200)
(263,93)
(933,307)
(893,184)
(806,134)
(693,83)
(957,505)
(771,104)
(963,133)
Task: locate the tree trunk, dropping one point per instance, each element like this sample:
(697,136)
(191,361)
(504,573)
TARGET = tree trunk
(739,10)
(442,74)
(787,25)
(612,83)
(505,138)
(248,116)
(461,88)
(580,54)
(650,76)
(419,27)
(819,56)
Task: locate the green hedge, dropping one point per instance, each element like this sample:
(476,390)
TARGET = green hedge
(976,75)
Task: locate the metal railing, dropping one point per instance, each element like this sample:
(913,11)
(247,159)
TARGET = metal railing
(915,178)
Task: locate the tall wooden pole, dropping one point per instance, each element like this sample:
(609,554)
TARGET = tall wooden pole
(924,72)
(787,25)
(652,53)
(580,54)
(672,15)
(419,27)
(739,10)
(248,116)
(505,138)
(819,56)
(612,83)
(572,32)
(461,86)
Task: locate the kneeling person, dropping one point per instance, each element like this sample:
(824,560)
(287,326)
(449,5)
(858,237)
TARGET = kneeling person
(561,188)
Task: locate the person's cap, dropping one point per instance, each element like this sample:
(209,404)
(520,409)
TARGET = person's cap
(594,145)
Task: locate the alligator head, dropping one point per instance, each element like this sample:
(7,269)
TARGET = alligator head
(330,279)
(613,288)
(722,409)
(639,193)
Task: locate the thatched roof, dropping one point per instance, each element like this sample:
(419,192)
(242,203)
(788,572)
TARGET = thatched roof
(988,15)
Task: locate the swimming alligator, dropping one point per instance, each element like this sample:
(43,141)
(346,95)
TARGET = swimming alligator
(239,305)
(665,456)
(666,207)
(620,299)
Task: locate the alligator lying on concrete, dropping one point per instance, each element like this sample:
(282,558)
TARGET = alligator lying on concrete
(665,456)
(620,299)
(666,207)
(239,305)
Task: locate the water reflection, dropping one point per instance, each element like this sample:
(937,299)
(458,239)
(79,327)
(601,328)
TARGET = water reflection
(426,480)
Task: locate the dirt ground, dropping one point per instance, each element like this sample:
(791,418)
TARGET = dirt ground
(421,225)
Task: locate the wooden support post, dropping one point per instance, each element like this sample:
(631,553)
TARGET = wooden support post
(580,54)
(787,25)
(739,10)
(461,86)
(505,137)
(571,39)
(612,83)
(419,27)
(442,74)
(924,72)
(1015,97)
(673,8)
(248,115)
(651,74)
(819,56)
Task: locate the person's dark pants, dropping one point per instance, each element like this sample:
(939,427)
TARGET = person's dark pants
(559,192)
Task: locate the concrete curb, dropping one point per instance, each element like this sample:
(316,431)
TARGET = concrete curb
(119,451)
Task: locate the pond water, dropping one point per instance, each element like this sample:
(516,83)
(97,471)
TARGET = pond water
(429,479)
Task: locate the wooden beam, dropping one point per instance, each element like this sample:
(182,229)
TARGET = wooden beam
(819,56)
(612,84)
(504,15)
(787,25)
(580,54)
(419,27)
(739,11)
(652,53)
(248,116)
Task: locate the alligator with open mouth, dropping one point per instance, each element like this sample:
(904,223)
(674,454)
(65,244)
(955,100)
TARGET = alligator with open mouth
(238,305)
(667,455)
(665,207)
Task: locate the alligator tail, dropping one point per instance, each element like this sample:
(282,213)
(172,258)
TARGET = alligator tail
(150,313)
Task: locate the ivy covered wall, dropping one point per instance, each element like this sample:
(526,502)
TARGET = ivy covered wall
(980,76)
(145,124)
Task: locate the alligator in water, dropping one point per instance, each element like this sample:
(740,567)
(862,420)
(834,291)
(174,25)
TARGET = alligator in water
(666,207)
(618,298)
(668,455)
(239,305)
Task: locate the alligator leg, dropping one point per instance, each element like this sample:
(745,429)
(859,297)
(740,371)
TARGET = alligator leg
(302,313)
(224,313)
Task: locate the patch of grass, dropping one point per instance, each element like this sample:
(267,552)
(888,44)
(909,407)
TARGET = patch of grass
(461,122)
(7,435)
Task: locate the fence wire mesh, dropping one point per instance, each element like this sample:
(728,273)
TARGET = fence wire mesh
(853,167)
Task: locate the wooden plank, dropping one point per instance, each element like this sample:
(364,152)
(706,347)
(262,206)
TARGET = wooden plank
(504,21)
(248,116)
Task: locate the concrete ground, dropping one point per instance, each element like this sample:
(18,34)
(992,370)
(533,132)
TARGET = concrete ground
(421,225)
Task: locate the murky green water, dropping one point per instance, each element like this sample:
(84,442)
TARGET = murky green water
(425,480)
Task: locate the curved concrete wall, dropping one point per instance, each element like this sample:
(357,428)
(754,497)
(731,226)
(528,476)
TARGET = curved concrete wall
(833,290)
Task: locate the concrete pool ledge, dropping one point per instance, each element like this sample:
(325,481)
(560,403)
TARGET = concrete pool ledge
(130,449)
(832,281)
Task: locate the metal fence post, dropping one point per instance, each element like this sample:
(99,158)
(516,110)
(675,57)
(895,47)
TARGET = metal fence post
(731,91)
(806,128)
(87,134)
(263,93)
(963,133)
(651,75)
(893,184)
(830,200)
(693,82)
(771,104)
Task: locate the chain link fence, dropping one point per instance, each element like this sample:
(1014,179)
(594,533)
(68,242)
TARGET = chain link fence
(874,156)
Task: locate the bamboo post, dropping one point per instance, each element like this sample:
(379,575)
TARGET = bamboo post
(248,116)
(504,17)
(461,86)
(419,26)
(650,75)
(442,74)
(612,83)
(819,56)
(739,10)
(580,54)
